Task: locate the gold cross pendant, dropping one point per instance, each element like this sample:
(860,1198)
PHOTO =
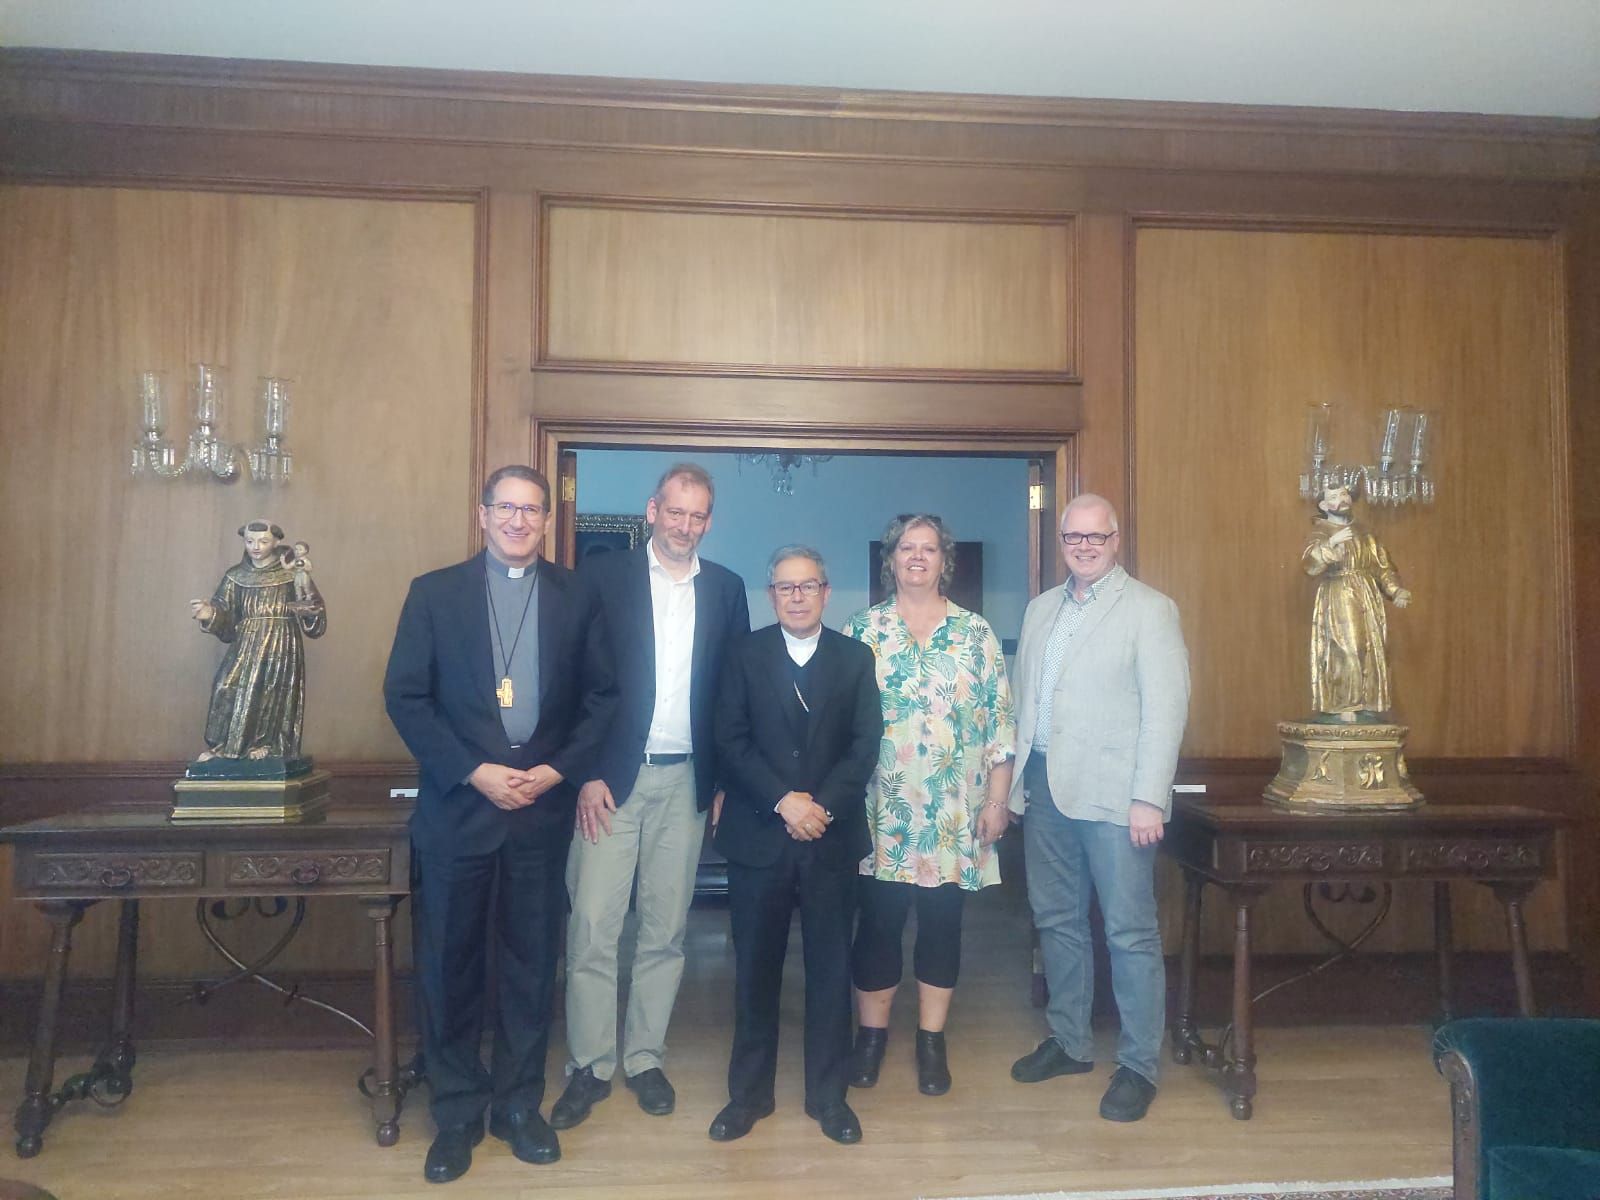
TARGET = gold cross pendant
(504,692)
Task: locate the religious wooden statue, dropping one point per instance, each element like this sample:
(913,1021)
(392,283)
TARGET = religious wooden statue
(1347,756)
(1349,626)
(264,607)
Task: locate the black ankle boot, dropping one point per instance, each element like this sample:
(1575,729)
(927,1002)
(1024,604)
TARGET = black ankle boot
(867,1056)
(933,1072)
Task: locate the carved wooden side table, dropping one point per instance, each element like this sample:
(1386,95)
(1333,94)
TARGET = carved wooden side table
(65,864)
(1246,849)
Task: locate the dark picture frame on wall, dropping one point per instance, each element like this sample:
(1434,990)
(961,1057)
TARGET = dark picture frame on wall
(602,533)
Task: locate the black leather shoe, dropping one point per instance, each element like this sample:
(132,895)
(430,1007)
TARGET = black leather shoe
(655,1094)
(1128,1098)
(735,1120)
(451,1152)
(529,1135)
(867,1056)
(933,1072)
(1047,1061)
(838,1122)
(583,1092)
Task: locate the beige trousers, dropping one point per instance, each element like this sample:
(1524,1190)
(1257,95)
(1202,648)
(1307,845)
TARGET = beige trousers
(655,833)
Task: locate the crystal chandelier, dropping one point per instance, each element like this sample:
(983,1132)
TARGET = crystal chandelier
(1399,476)
(782,465)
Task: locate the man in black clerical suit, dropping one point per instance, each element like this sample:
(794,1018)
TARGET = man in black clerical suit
(496,691)
(798,724)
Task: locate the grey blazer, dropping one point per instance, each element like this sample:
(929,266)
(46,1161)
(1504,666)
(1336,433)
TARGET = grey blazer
(1120,705)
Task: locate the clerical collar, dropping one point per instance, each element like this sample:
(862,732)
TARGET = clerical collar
(801,648)
(491,562)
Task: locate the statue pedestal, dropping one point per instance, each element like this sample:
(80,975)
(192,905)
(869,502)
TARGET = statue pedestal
(265,799)
(1342,768)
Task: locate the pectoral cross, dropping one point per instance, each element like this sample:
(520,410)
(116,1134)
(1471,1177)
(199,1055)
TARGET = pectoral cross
(503,692)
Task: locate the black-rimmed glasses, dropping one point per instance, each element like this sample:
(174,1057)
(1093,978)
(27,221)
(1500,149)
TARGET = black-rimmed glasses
(1094,539)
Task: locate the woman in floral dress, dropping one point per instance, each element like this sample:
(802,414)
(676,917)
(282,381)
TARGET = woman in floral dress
(938,801)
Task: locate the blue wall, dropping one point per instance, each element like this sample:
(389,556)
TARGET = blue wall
(839,510)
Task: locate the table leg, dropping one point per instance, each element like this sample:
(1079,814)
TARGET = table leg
(1511,896)
(1239,1072)
(385,1086)
(1185,1036)
(1444,944)
(115,1063)
(34,1113)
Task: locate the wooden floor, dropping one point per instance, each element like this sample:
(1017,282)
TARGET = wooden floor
(1341,1102)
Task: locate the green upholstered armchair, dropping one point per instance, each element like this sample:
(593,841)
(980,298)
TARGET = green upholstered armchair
(1525,1105)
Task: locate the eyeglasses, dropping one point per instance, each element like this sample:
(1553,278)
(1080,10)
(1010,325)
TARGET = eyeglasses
(808,589)
(1094,539)
(920,519)
(506,510)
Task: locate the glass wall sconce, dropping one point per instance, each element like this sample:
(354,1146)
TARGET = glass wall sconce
(153,454)
(271,462)
(1399,476)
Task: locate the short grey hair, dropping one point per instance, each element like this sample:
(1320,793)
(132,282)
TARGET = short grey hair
(1090,500)
(784,553)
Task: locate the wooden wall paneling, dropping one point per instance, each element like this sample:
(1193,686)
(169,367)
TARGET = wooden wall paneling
(758,405)
(1106,466)
(804,293)
(368,305)
(1236,332)
(1582,290)
(507,264)
(510,111)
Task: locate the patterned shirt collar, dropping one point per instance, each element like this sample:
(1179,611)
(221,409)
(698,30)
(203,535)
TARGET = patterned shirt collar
(1112,578)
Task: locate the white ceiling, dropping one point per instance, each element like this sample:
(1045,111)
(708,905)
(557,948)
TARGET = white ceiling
(1532,57)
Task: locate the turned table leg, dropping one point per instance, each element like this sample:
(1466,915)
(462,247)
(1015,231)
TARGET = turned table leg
(1511,896)
(1185,1036)
(385,1087)
(1239,1071)
(34,1113)
(1444,946)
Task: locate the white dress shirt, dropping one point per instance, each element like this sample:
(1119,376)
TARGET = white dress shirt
(672,612)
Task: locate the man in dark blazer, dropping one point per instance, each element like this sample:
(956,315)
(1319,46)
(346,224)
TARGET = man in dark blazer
(493,687)
(799,724)
(668,616)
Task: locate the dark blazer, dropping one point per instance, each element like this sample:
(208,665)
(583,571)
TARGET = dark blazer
(439,690)
(619,588)
(763,758)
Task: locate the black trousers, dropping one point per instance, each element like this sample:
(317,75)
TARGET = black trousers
(761,901)
(877,959)
(519,892)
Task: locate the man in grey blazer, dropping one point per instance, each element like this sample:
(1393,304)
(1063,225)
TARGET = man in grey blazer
(1102,683)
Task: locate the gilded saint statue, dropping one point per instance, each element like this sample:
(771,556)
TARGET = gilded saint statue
(1349,626)
(262,610)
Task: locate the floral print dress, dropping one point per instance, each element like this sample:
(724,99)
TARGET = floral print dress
(947,721)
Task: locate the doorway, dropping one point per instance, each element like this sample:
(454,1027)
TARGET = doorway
(1002,493)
